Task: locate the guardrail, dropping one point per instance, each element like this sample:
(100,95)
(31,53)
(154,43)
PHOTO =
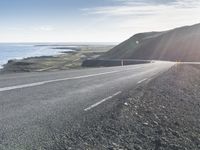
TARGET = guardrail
(112,62)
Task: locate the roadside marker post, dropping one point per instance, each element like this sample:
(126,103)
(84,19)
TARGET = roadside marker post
(122,62)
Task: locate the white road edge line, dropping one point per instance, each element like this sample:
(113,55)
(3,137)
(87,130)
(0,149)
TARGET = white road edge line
(58,80)
(21,86)
(142,81)
(103,100)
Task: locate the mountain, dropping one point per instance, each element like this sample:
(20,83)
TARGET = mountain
(180,44)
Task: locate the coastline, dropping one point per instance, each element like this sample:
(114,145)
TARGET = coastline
(67,59)
(17,51)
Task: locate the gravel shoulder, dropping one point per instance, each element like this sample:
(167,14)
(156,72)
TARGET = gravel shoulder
(162,114)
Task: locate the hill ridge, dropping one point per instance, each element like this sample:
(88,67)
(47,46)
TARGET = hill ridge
(181,44)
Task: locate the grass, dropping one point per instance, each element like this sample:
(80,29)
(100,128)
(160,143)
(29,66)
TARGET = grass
(63,61)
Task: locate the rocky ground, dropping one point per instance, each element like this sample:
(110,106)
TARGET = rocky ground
(161,114)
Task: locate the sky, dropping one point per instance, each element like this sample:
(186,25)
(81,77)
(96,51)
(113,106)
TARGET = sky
(91,20)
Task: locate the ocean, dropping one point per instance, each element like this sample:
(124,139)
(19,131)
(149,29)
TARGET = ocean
(20,51)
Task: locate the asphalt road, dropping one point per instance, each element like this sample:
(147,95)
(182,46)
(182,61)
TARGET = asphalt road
(34,104)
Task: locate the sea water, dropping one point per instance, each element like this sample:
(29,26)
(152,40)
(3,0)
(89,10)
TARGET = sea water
(20,51)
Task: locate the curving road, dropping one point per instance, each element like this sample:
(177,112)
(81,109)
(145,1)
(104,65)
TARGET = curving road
(32,104)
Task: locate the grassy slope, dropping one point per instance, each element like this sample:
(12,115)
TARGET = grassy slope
(178,44)
(128,47)
(59,62)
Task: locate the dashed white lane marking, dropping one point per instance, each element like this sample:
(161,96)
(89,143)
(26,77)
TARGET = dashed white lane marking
(142,80)
(103,100)
(58,80)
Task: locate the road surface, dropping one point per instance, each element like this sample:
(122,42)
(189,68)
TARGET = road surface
(34,104)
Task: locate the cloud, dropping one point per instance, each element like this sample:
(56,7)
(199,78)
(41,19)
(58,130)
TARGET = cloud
(44,28)
(134,7)
(14,28)
(127,17)
(123,10)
